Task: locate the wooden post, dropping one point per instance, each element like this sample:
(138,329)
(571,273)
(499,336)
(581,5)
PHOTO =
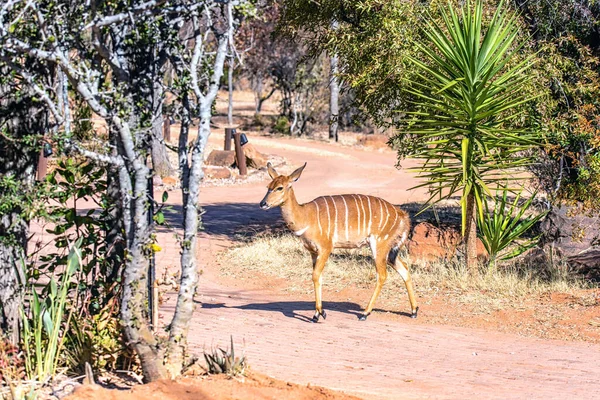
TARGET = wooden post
(229,134)
(42,168)
(240,157)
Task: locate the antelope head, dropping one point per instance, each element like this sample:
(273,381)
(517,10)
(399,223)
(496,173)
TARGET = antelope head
(278,191)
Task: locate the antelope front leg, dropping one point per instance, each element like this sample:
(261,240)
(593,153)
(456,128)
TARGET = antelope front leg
(381,266)
(319,260)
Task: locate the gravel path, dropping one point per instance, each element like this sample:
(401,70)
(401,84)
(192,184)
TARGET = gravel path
(402,359)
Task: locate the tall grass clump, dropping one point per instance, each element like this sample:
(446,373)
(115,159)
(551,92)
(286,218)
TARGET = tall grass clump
(283,256)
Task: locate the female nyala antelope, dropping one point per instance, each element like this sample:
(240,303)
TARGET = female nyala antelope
(343,221)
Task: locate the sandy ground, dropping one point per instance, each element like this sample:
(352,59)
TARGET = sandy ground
(390,355)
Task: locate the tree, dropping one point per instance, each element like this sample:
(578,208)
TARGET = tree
(334,97)
(466,97)
(108,53)
(566,36)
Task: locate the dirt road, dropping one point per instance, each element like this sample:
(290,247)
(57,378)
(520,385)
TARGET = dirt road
(396,358)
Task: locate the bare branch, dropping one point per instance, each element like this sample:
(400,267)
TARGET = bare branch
(114,19)
(42,93)
(92,155)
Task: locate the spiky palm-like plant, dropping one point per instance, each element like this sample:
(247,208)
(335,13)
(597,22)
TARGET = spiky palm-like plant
(467,91)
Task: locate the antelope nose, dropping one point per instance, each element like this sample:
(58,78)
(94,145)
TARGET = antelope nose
(263,205)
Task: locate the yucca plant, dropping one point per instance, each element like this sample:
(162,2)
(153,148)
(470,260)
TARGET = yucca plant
(504,225)
(466,93)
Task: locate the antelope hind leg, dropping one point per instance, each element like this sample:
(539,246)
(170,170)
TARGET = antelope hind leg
(402,269)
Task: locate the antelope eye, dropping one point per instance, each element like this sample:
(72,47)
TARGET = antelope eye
(279,188)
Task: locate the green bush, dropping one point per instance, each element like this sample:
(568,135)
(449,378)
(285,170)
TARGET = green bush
(282,126)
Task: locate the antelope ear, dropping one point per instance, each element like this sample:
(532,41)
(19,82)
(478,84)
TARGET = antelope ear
(296,174)
(272,173)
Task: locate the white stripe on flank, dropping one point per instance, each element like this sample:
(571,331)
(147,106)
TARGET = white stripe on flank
(346,205)
(335,235)
(380,213)
(328,218)
(301,231)
(319,218)
(364,213)
(396,216)
(357,215)
(387,215)
(370,216)
(373,245)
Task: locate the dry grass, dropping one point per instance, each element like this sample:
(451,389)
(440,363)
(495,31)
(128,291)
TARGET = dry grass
(283,256)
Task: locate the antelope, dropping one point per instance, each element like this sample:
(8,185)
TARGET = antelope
(343,221)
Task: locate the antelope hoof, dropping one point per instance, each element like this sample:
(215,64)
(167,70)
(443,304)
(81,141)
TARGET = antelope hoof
(363,317)
(318,314)
(414,314)
(315,317)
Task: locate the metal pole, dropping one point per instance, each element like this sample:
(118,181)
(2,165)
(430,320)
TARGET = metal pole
(240,157)
(152,289)
(229,133)
(167,128)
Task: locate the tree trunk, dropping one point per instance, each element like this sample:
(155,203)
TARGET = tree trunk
(134,307)
(334,88)
(115,230)
(230,86)
(471,235)
(160,159)
(178,333)
(12,253)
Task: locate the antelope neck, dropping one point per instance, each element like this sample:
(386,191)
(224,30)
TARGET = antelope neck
(292,212)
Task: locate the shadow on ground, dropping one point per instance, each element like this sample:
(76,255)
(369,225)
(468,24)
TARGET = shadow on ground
(242,221)
(291,309)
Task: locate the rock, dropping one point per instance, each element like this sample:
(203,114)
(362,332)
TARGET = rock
(571,231)
(429,242)
(575,236)
(221,158)
(375,141)
(254,158)
(169,181)
(216,173)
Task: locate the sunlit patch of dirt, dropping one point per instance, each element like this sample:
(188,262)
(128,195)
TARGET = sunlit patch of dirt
(221,387)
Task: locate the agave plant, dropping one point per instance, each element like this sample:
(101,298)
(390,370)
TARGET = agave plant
(221,361)
(505,225)
(466,93)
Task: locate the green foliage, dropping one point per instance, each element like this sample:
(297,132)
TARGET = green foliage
(569,114)
(504,225)
(282,125)
(221,361)
(372,39)
(83,128)
(44,322)
(97,340)
(466,95)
